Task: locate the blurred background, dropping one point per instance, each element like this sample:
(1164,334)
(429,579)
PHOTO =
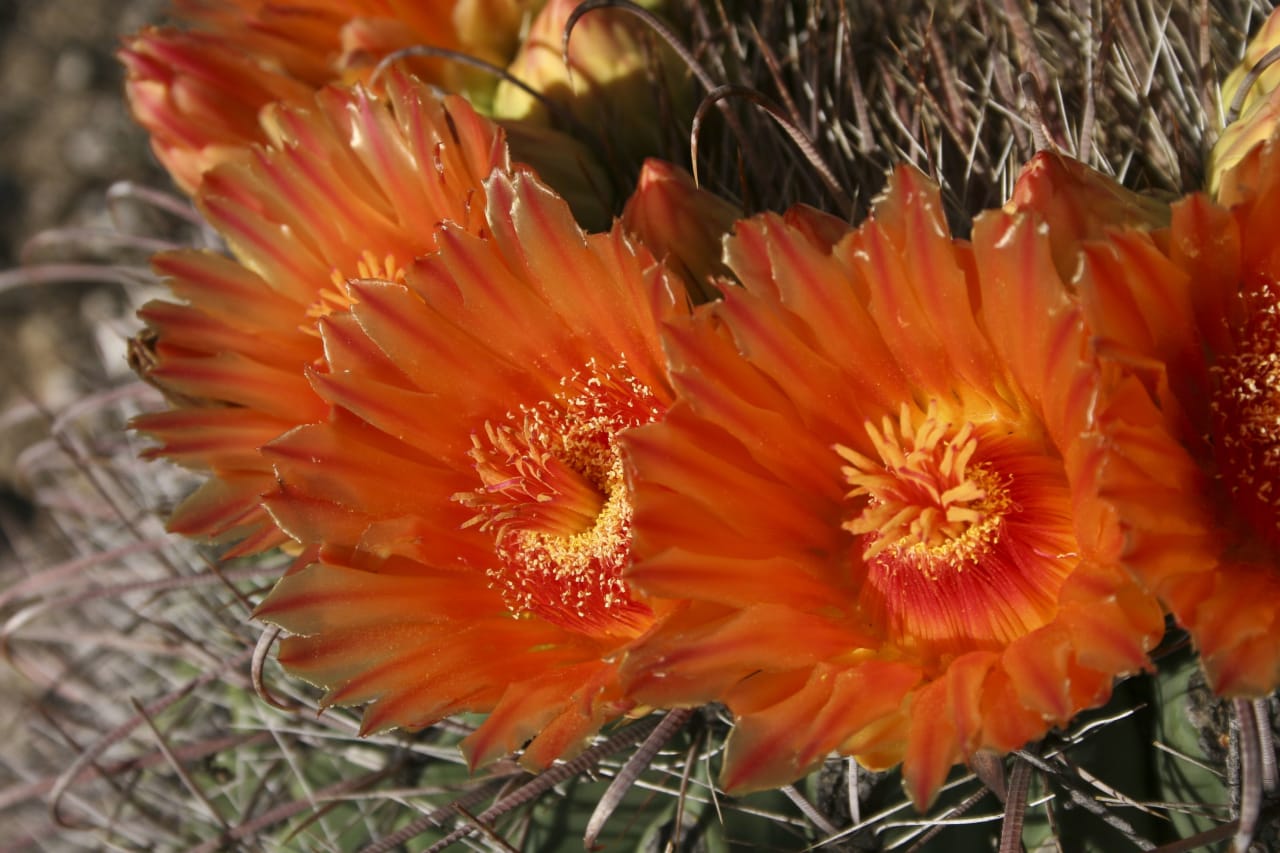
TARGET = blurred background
(65,138)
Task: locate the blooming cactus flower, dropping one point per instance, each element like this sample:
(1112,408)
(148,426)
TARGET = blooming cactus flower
(1191,467)
(198,100)
(870,494)
(353,187)
(466,503)
(199,91)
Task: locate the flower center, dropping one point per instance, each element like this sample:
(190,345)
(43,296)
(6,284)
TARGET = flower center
(1246,409)
(925,504)
(555,498)
(966,534)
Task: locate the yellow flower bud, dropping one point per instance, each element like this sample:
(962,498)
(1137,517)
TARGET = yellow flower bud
(1254,102)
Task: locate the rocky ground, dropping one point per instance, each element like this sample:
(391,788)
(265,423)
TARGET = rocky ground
(65,138)
(65,135)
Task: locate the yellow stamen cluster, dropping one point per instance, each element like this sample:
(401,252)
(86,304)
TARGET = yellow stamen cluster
(923,500)
(555,499)
(1247,409)
(573,580)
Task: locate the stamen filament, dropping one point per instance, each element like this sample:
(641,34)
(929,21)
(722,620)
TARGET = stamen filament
(924,499)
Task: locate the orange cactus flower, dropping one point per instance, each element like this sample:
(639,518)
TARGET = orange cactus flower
(467,498)
(354,187)
(1191,461)
(318,40)
(870,495)
(198,100)
(200,91)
